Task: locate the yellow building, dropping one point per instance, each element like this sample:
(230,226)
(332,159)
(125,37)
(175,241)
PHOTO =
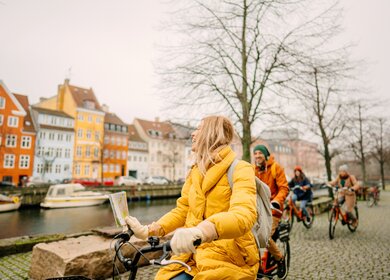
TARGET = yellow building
(82,104)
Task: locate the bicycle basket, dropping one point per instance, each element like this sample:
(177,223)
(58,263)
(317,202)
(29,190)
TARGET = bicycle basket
(284,231)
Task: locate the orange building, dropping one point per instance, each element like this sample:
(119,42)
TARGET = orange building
(115,147)
(17,136)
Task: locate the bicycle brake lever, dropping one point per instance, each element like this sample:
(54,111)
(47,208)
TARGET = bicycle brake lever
(165,262)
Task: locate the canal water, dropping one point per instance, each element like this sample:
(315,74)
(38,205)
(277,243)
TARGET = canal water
(31,221)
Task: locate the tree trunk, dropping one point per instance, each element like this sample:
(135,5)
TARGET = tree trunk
(382,165)
(328,160)
(246,141)
(361,144)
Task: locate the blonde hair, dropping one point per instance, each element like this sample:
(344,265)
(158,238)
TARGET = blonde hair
(215,134)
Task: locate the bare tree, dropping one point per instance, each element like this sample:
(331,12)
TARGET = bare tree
(381,150)
(240,55)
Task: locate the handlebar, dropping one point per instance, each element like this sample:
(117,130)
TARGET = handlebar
(131,264)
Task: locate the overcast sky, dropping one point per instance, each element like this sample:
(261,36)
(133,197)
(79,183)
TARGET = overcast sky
(112,46)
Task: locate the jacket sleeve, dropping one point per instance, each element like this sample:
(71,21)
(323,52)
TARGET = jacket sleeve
(176,217)
(355,185)
(242,213)
(281,182)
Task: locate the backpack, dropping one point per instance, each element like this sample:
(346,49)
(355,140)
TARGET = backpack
(263,225)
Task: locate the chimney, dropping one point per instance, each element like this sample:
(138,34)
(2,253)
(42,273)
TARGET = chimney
(105,108)
(66,82)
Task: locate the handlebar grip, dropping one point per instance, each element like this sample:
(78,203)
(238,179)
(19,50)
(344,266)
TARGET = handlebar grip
(168,247)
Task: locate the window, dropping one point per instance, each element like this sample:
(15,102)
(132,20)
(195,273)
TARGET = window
(105,167)
(86,170)
(118,168)
(123,155)
(49,168)
(97,136)
(57,168)
(26,142)
(79,133)
(67,153)
(60,137)
(66,167)
(113,140)
(68,138)
(24,161)
(9,161)
(2,102)
(118,141)
(80,117)
(90,119)
(111,168)
(42,135)
(89,134)
(10,141)
(96,152)
(40,151)
(39,168)
(124,141)
(77,169)
(106,139)
(13,121)
(50,152)
(87,151)
(112,154)
(51,135)
(59,152)
(78,151)
(105,154)
(98,120)
(134,158)
(118,154)
(1,119)
(53,120)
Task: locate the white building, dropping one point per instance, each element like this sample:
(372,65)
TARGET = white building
(137,159)
(54,144)
(166,151)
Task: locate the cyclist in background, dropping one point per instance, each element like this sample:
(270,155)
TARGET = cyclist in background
(271,173)
(348,185)
(301,187)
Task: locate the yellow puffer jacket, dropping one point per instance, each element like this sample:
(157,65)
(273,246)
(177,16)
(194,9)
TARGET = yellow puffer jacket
(234,255)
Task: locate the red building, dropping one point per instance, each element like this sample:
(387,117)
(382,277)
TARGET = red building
(17,136)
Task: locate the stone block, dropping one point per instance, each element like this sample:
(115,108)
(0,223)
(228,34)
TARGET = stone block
(88,256)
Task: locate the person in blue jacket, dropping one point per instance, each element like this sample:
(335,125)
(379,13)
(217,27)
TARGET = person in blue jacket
(301,187)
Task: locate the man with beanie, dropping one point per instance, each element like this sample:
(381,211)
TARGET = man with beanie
(271,173)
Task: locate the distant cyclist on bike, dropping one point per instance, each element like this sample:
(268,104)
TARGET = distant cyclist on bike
(348,185)
(271,173)
(301,187)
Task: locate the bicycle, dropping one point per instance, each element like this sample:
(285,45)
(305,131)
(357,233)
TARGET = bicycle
(292,210)
(268,266)
(373,196)
(336,214)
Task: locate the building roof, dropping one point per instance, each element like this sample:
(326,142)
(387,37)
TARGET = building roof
(182,131)
(13,98)
(133,134)
(54,127)
(51,112)
(113,118)
(157,129)
(28,123)
(81,95)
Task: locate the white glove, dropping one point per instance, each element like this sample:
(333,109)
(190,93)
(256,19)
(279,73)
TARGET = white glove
(140,231)
(183,239)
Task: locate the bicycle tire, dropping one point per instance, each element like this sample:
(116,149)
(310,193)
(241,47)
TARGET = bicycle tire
(370,200)
(310,210)
(350,226)
(288,217)
(287,255)
(332,223)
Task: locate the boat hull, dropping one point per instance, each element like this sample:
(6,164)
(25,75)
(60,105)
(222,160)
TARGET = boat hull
(72,202)
(5,207)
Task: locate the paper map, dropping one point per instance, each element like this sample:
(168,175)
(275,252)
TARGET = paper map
(119,207)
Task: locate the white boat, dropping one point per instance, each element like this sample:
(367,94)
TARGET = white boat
(9,203)
(72,195)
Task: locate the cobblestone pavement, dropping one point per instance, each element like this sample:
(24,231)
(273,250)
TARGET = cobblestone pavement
(364,254)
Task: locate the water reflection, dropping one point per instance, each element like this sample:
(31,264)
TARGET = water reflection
(33,221)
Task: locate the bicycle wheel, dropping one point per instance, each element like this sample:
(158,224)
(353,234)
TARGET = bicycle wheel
(288,216)
(353,226)
(332,222)
(284,247)
(370,200)
(308,221)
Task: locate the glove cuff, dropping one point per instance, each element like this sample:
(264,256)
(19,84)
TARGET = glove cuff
(154,229)
(208,230)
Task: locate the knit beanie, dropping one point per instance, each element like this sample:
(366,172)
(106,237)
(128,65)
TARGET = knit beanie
(263,149)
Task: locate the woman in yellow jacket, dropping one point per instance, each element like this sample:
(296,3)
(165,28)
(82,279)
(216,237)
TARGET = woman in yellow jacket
(209,210)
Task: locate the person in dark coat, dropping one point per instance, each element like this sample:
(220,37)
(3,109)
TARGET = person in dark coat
(301,187)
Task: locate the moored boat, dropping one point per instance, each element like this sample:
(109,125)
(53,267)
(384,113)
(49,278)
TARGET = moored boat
(72,195)
(9,203)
